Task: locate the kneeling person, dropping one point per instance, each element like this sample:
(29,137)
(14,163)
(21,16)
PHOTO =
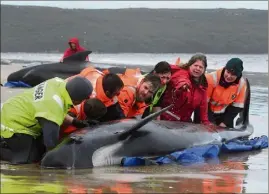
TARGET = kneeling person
(30,121)
(106,88)
(226,93)
(83,115)
(163,71)
(132,98)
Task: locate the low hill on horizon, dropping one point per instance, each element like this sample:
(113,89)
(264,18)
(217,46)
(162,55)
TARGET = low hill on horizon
(139,30)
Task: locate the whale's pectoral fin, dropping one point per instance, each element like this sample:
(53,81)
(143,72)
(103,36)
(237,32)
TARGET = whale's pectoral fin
(142,122)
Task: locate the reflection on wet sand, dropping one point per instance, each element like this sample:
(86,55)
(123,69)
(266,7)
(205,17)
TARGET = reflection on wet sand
(224,177)
(225,181)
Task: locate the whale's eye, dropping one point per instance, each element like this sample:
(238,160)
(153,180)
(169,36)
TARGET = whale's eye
(118,132)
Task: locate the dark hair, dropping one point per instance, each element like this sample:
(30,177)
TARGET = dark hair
(193,59)
(162,67)
(154,80)
(94,108)
(112,83)
(201,57)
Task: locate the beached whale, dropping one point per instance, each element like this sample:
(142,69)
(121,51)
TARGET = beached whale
(107,143)
(37,74)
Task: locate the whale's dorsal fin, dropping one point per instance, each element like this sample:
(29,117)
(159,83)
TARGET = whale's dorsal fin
(79,56)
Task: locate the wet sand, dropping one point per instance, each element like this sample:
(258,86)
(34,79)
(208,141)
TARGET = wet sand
(8,92)
(8,69)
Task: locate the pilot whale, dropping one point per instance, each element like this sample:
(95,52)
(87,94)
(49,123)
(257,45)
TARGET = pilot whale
(72,65)
(37,74)
(106,144)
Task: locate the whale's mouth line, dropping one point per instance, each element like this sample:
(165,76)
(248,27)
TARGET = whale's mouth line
(105,155)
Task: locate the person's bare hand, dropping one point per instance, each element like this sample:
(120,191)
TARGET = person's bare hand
(212,127)
(158,118)
(185,88)
(222,125)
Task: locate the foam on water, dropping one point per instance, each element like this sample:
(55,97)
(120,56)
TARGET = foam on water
(252,63)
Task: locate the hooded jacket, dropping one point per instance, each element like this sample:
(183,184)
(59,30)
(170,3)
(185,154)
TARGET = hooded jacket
(68,52)
(185,102)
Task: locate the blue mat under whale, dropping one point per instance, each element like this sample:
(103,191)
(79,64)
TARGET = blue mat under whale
(198,155)
(19,84)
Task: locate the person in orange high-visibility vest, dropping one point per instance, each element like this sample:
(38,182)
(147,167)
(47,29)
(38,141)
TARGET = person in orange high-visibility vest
(131,77)
(106,88)
(136,92)
(83,115)
(226,93)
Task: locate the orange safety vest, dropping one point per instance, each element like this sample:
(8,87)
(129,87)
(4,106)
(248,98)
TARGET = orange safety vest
(127,97)
(129,77)
(128,103)
(177,63)
(96,78)
(219,98)
(128,72)
(80,115)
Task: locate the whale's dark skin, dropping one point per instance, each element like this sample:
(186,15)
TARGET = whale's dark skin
(107,143)
(71,65)
(34,75)
(100,146)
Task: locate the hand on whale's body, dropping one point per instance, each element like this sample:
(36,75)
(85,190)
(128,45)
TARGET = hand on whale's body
(213,128)
(107,143)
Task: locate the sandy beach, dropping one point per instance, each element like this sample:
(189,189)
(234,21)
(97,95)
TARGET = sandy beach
(8,92)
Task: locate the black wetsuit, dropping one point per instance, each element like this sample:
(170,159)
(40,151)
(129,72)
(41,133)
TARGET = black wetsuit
(22,148)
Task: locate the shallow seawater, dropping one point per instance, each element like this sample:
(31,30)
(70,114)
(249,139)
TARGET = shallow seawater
(245,172)
(234,173)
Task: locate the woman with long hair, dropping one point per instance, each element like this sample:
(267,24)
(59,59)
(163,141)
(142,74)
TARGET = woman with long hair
(187,91)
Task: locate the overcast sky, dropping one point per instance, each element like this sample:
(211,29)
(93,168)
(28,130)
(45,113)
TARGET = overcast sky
(263,5)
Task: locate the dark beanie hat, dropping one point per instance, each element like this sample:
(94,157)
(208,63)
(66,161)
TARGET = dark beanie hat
(79,88)
(235,65)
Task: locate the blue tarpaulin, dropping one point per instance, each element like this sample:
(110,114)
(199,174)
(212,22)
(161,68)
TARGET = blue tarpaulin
(199,154)
(19,84)
(256,143)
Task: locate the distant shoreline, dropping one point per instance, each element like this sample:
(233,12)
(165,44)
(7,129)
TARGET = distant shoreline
(35,29)
(60,53)
(131,8)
